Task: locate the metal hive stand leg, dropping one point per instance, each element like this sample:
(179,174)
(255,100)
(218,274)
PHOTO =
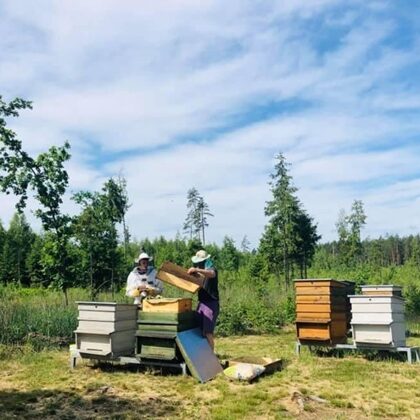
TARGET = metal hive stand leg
(409,356)
(74,355)
(184,368)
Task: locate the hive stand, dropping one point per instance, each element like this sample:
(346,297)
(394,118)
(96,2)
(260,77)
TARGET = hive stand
(125,360)
(413,353)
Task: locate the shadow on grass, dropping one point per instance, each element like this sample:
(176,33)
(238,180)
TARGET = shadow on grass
(70,405)
(152,369)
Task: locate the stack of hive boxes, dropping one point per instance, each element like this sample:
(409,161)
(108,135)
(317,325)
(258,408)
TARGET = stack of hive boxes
(106,329)
(158,325)
(378,317)
(322,310)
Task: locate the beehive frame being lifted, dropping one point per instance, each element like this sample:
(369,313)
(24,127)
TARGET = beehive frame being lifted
(179,277)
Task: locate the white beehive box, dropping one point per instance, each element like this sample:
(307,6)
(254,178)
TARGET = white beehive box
(378,320)
(381,289)
(106,328)
(376,304)
(392,335)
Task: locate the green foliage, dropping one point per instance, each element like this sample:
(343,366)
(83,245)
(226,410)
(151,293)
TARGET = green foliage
(96,233)
(17,243)
(228,258)
(46,176)
(290,235)
(349,233)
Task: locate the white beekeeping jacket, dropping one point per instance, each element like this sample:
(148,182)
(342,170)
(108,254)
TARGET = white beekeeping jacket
(136,279)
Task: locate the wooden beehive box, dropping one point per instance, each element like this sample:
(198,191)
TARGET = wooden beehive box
(167,305)
(321,330)
(106,328)
(320,287)
(322,310)
(378,320)
(178,277)
(381,290)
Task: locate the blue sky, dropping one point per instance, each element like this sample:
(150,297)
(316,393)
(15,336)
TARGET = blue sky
(184,93)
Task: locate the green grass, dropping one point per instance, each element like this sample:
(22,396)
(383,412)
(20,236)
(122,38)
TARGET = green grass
(40,384)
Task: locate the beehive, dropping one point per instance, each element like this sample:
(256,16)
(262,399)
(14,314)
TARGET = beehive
(106,328)
(382,290)
(378,320)
(157,331)
(176,305)
(322,310)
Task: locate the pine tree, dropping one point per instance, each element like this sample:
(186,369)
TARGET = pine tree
(190,224)
(229,255)
(349,233)
(290,232)
(198,211)
(203,211)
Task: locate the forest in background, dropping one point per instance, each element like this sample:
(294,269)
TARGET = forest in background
(84,252)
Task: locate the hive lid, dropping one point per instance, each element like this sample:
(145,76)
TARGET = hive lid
(383,298)
(82,302)
(324,279)
(335,281)
(381,287)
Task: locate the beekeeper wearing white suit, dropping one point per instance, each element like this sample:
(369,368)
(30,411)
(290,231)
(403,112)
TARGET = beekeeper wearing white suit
(142,281)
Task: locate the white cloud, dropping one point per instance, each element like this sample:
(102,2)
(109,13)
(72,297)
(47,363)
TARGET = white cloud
(168,92)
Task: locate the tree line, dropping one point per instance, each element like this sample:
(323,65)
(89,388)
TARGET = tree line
(86,250)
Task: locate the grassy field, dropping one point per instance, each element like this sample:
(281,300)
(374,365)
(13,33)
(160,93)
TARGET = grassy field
(41,385)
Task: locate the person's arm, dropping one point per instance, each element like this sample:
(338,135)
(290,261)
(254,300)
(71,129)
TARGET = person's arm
(208,273)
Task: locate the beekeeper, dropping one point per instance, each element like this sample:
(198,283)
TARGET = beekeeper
(142,281)
(208,295)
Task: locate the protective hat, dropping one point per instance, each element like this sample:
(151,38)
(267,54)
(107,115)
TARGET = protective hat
(200,256)
(143,256)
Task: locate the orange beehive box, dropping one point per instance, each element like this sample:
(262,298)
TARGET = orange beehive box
(176,305)
(322,310)
(321,330)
